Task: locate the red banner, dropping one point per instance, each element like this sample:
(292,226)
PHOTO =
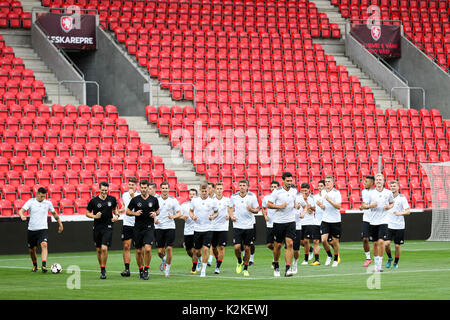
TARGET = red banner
(69,31)
(383,40)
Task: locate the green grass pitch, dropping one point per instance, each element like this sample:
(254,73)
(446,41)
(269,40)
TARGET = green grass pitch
(423,273)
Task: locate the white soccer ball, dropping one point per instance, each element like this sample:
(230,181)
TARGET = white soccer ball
(56,268)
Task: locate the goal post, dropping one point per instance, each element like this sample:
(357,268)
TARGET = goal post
(439,177)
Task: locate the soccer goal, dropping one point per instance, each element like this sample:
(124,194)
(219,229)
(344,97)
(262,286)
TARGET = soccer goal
(439,178)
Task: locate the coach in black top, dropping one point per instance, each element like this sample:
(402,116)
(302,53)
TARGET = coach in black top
(144,208)
(103,209)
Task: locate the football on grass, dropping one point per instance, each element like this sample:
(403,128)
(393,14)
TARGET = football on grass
(56,268)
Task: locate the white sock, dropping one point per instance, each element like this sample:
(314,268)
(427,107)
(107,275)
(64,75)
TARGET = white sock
(367,255)
(167,267)
(252,256)
(210,259)
(204,267)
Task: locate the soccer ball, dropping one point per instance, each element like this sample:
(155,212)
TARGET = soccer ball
(56,268)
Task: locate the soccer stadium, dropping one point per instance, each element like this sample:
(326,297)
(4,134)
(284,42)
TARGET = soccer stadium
(224,149)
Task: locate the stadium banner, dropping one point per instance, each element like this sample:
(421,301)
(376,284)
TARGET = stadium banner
(69,31)
(383,40)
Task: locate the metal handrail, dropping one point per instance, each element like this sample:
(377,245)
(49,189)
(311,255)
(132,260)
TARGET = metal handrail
(409,94)
(79,81)
(177,83)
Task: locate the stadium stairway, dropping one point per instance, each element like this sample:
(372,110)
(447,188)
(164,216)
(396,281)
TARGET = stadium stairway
(20,41)
(172,158)
(336,47)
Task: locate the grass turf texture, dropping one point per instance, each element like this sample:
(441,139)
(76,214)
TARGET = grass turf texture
(423,273)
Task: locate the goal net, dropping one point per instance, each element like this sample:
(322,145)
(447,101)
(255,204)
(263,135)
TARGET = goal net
(439,178)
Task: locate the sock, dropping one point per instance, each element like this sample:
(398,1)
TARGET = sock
(210,259)
(103,268)
(141,269)
(194,266)
(218,263)
(146,268)
(367,255)
(167,267)
(306,256)
(310,249)
(276,265)
(380,261)
(287,267)
(329,253)
(316,257)
(239,260)
(204,266)
(295,262)
(35,263)
(252,256)
(245,266)
(336,255)
(44,263)
(396,260)
(389,255)
(127,266)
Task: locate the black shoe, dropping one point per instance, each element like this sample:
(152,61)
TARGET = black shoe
(125,273)
(251,263)
(44,269)
(141,274)
(35,269)
(145,275)
(103,275)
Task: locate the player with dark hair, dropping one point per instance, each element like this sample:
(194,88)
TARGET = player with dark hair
(242,207)
(165,234)
(144,208)
(396,225)
(38,208)
(268,216)
(283,201)
(128,224)
(103,209)
(367,217)
(189,229)
(310,230)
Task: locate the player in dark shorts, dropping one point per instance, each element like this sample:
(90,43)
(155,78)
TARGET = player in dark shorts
(103,209)
(144,208)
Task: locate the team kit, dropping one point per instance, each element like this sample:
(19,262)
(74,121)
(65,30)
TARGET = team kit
(294,217)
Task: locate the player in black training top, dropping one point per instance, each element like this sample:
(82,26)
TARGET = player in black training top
(103,209)
(144,208)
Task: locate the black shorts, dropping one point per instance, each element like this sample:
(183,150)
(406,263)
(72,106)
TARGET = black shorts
(298,238)
(35,237)
(311,232)
(188,241)
(332,228)
(243,237)
(164,237)
(219,238)
(398,235)
(365,229)
(127,233)
(378,232)
(143,236)
(281,231)
(269,235)
(103,235)
(202,239)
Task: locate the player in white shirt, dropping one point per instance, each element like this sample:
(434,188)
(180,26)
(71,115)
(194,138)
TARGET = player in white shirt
(268,216)
(203,211)
(283,201)
(309,230)
(220,227)
(381,201)
(128,225)
(165,233)
(317,222)
(300,208)
(331,219)
(396,225)
(211,194)
(367,217)
(38,208)
(189,228)
(243,206)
